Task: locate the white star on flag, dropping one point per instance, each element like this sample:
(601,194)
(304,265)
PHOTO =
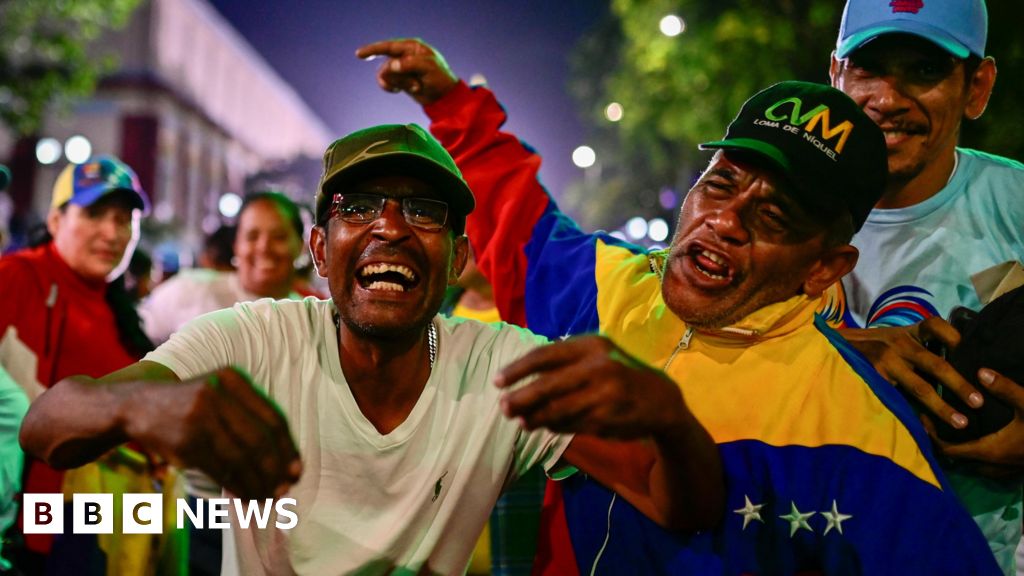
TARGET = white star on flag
(750,512)
(835,519)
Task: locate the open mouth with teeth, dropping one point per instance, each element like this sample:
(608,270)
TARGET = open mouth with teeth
(387,277)
(894,135)
(711,265)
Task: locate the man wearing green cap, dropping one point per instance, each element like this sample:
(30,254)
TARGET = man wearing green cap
(408,424)
(827,468)
(919,70)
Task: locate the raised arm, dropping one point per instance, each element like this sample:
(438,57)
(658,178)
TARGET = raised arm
(539,262)
(217,423)
(635,433)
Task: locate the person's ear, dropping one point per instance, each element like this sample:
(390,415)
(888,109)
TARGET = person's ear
(461,253)
(318,249)
(979,88)
(834,68)
(835,263)
(53,218)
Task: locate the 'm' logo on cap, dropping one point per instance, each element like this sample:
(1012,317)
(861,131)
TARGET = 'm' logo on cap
(819,115)
(911,6)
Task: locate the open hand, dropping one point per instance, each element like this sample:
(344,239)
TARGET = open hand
(999,454)
(900,357)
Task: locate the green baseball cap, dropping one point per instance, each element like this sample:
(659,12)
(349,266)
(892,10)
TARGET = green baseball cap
(389,150)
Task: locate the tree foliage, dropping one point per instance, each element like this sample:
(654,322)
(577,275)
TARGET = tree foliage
(679,91)
(43,56)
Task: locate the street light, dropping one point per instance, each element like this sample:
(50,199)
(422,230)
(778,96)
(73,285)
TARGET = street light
(636,228)
(613,112)
(77,149)
(672,25)
(584,156)
(657,229)
(47,150)
(229,205)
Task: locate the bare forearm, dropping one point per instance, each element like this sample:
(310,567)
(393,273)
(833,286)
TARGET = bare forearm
(75,421)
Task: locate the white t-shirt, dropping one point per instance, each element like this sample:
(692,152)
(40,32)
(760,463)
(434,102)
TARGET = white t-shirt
(916,262)
(191,293)
(413,500)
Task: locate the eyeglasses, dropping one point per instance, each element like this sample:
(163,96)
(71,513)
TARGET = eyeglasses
(365,208)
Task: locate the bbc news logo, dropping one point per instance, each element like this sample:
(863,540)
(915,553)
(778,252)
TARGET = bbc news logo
(143,513)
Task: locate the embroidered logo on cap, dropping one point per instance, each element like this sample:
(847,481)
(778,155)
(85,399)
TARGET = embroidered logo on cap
(775,117)
(906,6)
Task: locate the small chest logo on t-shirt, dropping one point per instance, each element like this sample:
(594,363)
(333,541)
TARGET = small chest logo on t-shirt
(437,486)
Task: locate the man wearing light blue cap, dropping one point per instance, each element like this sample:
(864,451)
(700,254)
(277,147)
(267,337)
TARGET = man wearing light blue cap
(918,68)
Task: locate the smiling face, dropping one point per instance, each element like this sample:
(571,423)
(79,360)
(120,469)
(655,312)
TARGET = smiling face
(94,240)
(918,94)
(387,277)
(266,246)
(743,243)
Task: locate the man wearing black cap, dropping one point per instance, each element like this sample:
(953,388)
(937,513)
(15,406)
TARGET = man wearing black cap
(919,70)
(397,412)
(827,468)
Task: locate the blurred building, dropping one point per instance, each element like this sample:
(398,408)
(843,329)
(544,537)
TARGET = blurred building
(191,106)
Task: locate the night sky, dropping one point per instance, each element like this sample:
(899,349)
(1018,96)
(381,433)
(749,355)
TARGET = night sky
(521,47)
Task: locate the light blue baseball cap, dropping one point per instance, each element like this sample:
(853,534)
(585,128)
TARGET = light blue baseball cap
(958,26)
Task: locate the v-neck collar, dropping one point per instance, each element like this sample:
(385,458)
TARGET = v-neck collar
(357,419)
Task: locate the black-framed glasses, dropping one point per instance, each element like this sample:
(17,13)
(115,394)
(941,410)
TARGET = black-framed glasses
(365,208)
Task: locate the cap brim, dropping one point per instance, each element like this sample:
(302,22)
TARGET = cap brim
(914,28)
(452,189)
(90,196)
(762,148)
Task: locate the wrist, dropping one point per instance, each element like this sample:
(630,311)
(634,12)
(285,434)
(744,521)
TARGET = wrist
(125,397)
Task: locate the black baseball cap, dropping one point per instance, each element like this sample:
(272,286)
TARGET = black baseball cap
(5,177)
(819,138)
(387,150)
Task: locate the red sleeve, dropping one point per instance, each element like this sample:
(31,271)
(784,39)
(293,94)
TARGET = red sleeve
(502,172)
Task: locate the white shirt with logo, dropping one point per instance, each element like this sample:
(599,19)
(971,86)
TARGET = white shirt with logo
(916,262)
